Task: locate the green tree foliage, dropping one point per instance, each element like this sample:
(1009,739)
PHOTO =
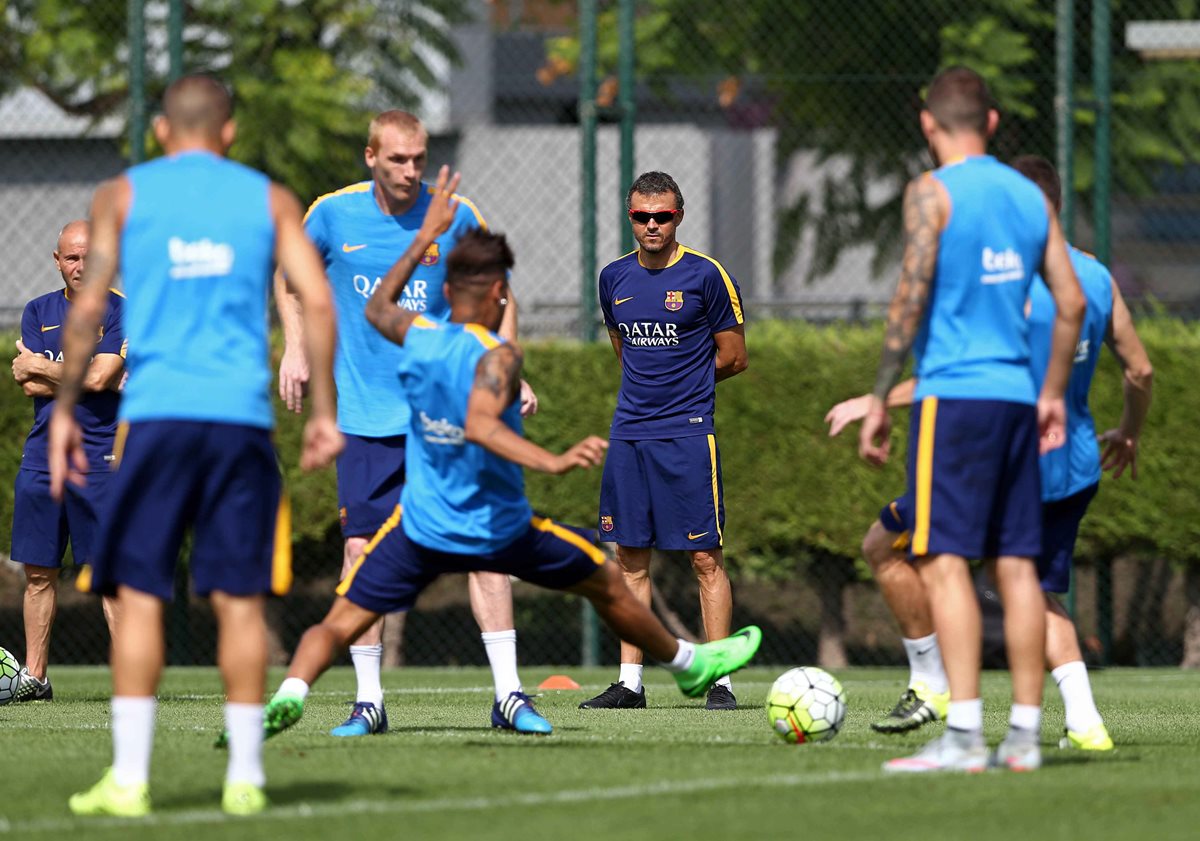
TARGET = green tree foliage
(307,74)
(845,81)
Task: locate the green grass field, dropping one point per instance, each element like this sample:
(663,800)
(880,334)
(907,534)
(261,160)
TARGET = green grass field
(671,771)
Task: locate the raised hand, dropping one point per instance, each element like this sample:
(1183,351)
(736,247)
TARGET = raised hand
(587,453)
(1120,452)
(846,413)
(441,211)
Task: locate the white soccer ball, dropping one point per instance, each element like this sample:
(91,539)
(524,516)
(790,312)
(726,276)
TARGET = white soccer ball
(10,671)
(806,705)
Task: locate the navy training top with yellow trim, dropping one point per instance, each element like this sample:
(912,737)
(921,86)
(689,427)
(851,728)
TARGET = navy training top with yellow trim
(1076,465)
(666,319)
(42,325)
(457,497)
(974,342)
(359,243)
(197,253)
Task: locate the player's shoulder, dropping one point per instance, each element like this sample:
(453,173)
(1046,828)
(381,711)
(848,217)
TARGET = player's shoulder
(1089,269)
(49,299)
(705,263)
(467,211)
(116,298)
(340,199)
(622,264)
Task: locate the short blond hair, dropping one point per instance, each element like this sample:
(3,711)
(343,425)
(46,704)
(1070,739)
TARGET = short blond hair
(402,121)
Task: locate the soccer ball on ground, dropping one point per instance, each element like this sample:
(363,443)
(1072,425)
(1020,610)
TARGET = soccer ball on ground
(10,671)
(806,705)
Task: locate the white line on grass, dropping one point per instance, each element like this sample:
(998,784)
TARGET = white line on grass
(308,811)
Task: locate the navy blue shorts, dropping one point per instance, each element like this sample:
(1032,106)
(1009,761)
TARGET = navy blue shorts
(393,570)
(370,476)
(663,493)
(41,526)
(1060,527)
(973,482)
(221,482)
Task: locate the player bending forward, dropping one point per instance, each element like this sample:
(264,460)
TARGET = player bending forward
(465,494)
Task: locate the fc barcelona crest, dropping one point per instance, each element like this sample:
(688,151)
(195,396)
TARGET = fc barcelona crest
(674,301)
(606,523)
(430,257)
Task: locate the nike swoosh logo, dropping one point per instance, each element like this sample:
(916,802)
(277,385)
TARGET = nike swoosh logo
(616,303)
(46,329)
(348,248)
(926,651)
(696,536)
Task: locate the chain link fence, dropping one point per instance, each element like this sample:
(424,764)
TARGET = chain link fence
(791,129)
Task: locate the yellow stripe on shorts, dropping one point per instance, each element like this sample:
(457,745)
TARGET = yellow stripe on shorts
(281,558)
(547,525)
(119,443)
(384,530)
(920,540)
(712,461)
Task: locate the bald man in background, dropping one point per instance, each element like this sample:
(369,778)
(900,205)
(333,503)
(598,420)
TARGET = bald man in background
(42,526)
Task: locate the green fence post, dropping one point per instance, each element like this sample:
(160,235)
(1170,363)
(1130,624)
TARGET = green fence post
(136,30)
(1102,93)
(628,102)
(1064,109)
(175,39)
(590,637)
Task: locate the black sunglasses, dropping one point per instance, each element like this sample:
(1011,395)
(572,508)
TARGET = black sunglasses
(662,217)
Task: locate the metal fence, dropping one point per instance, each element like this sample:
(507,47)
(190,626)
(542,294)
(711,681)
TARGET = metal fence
(791,128)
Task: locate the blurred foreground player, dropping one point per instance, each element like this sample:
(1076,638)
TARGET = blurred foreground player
(194,236)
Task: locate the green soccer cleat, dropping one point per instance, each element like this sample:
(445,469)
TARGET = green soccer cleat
(916,707)
(718,658)
(243,799)
(107,797)
(1094,738)
(280,713)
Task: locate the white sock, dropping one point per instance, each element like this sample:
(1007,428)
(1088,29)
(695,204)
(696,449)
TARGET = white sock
(966,715)
(1026,717)
(1076,690)
(925,663)
(245,725)
(501,647)
(133,738)
(631,676)
(367,661)
(684,657)
(293,687)
(724,681)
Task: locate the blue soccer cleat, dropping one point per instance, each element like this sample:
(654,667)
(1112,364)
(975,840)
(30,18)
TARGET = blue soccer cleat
(365,720)
(516,712)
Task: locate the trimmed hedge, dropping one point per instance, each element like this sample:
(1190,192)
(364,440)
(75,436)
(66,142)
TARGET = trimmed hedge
(792,494)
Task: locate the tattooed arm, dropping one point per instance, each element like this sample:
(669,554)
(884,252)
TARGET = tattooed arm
(925,206)
(497,384)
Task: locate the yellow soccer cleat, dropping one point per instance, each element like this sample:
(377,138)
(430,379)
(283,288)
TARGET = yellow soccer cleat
(243,799)
(916,707)
(107,797)
(1094,738)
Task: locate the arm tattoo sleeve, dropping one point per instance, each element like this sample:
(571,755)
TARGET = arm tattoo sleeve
(499,372)
(921,231)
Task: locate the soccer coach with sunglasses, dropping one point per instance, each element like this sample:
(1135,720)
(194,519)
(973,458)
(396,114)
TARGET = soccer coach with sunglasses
(675,319)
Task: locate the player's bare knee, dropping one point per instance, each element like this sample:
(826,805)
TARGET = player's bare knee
(352,552)
(877,548)
(40,579)
(708,564)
